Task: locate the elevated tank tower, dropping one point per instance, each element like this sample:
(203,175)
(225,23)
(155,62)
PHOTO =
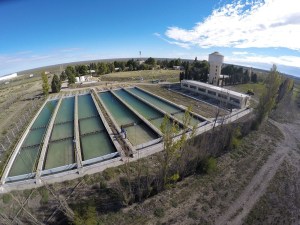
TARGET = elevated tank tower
(215,62)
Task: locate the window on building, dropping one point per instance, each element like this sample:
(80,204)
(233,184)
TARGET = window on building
(211,92)
(222,96)
(201,89)
(235,100)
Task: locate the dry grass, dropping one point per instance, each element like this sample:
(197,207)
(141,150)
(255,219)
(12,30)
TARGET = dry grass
(202,198)
(198,107)
(144,74)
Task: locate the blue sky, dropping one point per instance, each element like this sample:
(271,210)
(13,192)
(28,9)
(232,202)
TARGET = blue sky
(254,33)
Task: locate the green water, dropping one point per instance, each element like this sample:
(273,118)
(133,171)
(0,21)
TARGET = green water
(86,107)
(60,131)
(142,108)
(167,107)
(44,116)
(92,144)
(138,134)
(59,153)
(26,159)
(121,113)
(24,162)
(155,101)
(95,145)
(90,125)
(65,111)
(34,137)
(155,117)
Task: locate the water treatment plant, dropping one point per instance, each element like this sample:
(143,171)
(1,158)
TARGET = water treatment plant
(83,133)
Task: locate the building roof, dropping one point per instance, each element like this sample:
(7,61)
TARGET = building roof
(216,53)
(220,89)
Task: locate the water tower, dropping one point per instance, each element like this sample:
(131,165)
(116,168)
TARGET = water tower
(215,62)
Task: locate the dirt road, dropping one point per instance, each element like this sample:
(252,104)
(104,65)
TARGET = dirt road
(287,149)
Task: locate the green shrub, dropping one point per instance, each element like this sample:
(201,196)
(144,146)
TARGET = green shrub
(103,184)
(193,215)
(236,138)
(210,165)
(109,173)
(86,215)
(45,195)
(159,212)
(26,193)
(6,198)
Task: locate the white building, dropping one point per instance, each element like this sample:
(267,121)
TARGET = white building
(8,77)
(178,67)
(215,66)
(226,96)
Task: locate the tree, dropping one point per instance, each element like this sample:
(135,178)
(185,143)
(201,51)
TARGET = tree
(181,76)
(187,69)
(111,67)
(268,98)
(120,65)
(102,68)
(199,70)
(45,84)
(70,71)
(81,70)
(63,76)
(71,79)
(55,84)
(254,77)
(173,148)
(150,61)
(92,66)
(144,67)
(132,64)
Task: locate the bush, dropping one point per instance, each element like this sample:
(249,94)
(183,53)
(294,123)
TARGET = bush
(86,215)
(209,165)
(45,195)
(109,173)
(6,198)
(159,212)
(193,215)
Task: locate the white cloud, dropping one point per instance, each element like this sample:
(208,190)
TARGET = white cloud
(259,23)
(291,61)
(180,44)
(240,53)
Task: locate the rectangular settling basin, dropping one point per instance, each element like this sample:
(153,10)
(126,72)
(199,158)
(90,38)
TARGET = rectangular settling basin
(60,150)
(94,138)
(27,157)
(151,114)
(164,105)
(137,131)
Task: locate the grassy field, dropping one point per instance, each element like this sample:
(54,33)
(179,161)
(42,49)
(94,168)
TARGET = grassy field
(257,88)
(141,75)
